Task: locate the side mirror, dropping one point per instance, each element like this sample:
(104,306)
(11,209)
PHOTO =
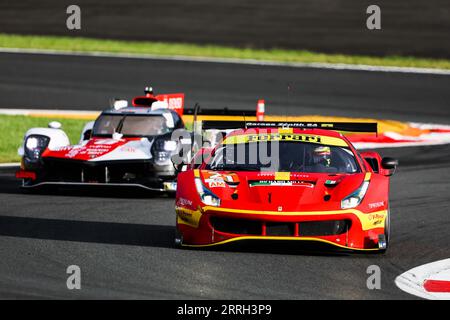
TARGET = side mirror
(389,164)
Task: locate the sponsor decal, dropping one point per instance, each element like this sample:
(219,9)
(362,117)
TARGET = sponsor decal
(266,174)
(217,180)
(216,184)
(375,205)
(188,217)
(175,101)
(280,183)
(299,176)
(376,219)
(283,137)
(214,180)
(377,222)
(65,148)
(73,153)
(184,202)
(185,215)
(232,179)
(375,216)
(96,150)
(128,149)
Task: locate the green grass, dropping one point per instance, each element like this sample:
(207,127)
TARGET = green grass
(211,51)
(14,128)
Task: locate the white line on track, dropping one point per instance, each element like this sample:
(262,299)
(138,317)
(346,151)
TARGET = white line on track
(53,112)
(10,164)
(314,65)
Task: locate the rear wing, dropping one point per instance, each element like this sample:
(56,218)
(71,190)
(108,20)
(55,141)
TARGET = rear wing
(213,131)
(175,102)
(198,115)
(219,112)
(369,127)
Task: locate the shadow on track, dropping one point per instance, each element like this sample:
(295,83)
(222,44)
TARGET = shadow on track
(88,231)
(145,235)
(287,247)
(10,185)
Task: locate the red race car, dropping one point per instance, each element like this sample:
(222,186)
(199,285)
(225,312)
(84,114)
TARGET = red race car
(286,181)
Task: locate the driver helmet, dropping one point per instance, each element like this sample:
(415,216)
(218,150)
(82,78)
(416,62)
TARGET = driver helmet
(322,155)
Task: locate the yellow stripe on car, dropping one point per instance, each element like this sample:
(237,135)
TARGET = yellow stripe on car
(286,130)
(295,137)
(285,176)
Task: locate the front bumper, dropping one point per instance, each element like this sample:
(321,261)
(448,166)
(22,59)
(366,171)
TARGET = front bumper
(65,172)
(167,186)
(346,229)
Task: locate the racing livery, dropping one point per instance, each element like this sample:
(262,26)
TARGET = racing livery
(316,187)
(125,146)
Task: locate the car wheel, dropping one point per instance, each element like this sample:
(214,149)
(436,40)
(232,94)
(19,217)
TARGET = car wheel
(387,228)
(387,231)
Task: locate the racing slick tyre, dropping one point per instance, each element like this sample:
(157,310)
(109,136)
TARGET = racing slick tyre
(387,231)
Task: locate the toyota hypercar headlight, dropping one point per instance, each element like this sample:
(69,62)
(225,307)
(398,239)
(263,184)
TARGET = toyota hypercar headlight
(165,145)
(206,195)
(354,199)
(35,145)
(162,158)
(170,145)
(163,150)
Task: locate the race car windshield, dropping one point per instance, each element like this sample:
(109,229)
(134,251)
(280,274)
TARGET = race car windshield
(284,156)
(130,125)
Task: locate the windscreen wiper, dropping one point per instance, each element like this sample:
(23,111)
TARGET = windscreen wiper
(120,125)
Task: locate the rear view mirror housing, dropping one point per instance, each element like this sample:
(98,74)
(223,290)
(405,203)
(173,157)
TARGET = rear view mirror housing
(389,164)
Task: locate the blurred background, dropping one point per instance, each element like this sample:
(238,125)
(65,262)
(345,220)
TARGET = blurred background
(409,27)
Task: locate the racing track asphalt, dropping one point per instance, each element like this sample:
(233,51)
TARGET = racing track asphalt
(123,242)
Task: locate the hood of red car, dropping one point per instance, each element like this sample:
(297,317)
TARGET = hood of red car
(281,191)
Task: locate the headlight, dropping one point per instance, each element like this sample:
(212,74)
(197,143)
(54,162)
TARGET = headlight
(211,200)
(170,145)
(32,143)
(35,145)
(206,195)
(353,200)
(163,150)
(165,145)
(162,158)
